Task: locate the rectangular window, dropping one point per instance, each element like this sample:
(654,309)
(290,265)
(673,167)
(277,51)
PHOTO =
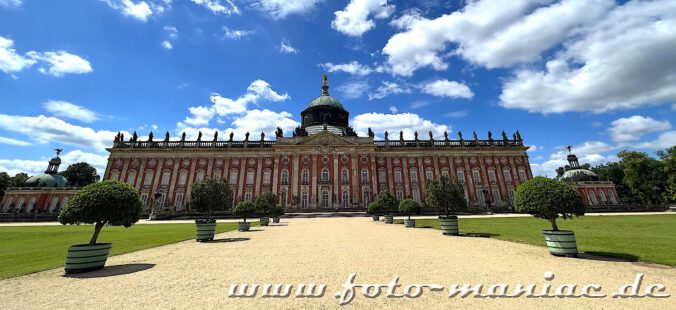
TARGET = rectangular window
(400,195)
(233,177)
(414,177)
(522,175)
(496,198)
(491,176)
(179,201)
(508,176)
(266,177)
(250,178)
(476,176)
(165,178)
(397,176)
(416,196)
(248,196)
(382,177)
(144,199)
(444,173)
(461,176)
(429,175)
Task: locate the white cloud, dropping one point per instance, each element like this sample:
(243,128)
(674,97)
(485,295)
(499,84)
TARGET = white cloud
(48,129)
(286,48)
(69,110)
(139,11)
(456,114)
(632,128)
(257,121)
(280,9)
(167,45)
(218,7)
(446,88)
(61,62)
(223,106)
(491,33)
(591,74)
(394,123)
(394,109)
(33,167)
(10,141)
(171,31)
(236,34)
(389,88)
(10,3)
(10,60)
(353,89)
(589,152)
(353,67)
(665,140)
(354,19)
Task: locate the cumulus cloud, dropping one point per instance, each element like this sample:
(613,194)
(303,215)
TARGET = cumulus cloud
(663,141)
(591,74)
(61,62)
(589,152)
(218,7)
(139,10)
(10,141)
(632,128)
(167,45)
(446,88)
(32,167)
(286,48)
(491,33)
(236,34)
(389,88)
(352,67)
(354,19)
(280,9)
(69,110)
(394,123)
(223,106)
(10,60)
(353,89)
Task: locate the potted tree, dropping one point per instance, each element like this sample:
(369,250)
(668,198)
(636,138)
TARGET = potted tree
(244,209)
(550,199)
(408,207)
(206,197)
(387,203)
(109,202)
(374,210)
(276,212)
(447,194)
(264,204)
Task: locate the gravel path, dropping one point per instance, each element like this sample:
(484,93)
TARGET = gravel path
(198,275)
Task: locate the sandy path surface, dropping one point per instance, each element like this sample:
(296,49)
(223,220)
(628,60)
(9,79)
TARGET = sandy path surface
(198,275)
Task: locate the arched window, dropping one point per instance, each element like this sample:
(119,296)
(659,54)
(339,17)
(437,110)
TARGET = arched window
(303,200)
(325,175)
(131,177)
(305,177)
(148,180)
(364,176)
(325,199)
(491,176)
(53,204)
(115,175)
(285,177)
(444,173)
(233,177)
(414,177)
(522,175)
(429,175)
(282,198)
(19,204)
(31,204)
(182,178)
(266,177)
(477,176)
(200,176)
(592,198)
(64,203)
(346,199)
(248,196)
(461,176)
(397,176)
(508,175)
(250,177)
(165,177)
(345,176)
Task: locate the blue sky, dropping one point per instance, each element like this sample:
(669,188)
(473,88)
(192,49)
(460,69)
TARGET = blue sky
(598,75)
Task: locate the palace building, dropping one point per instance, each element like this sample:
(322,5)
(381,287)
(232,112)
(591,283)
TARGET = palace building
(322,165)
(595,193)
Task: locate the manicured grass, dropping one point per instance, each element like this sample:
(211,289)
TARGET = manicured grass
(650,238)
(28,249)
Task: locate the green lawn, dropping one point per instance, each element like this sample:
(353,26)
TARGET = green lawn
(650,238)
(27,249)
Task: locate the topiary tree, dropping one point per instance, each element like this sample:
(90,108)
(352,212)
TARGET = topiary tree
(210,195)
(408,207)
(265,202)
(446,193)
(109,202)
(548,199)
(373,208)
(277,211)
(387,202)
(244,209)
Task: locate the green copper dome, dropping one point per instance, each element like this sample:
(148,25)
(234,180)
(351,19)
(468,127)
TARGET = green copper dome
(327,101)
(579,175)
(47,180)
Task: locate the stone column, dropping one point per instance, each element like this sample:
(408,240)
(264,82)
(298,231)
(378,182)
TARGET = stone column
(313,182)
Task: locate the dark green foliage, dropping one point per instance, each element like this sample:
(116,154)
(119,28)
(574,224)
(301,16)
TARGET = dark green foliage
(265,202)
(18,180)
(373,208)
(80,174)
(106,203)
(447,194)
(387,202)
(613,172)
(548,199)
(643,175)
(4,183)
(409,207)
(668,159)
(277,211)
(244,209)
(210,195)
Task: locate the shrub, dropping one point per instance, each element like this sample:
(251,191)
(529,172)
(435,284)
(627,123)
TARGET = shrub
(446,193)
(109,202)
(408,207)
(373,208)
(548,199)
(210,195)
(244,209)
(387,202)
(265,202)
(277,211)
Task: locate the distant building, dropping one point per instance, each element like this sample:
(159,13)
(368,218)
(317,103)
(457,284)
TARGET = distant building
(42,193)
(595,193)
(324,165)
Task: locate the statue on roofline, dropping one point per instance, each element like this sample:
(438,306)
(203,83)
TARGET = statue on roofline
(231,136)
(415,135)
(262,136)
(431,137)
(166,137)
(475,136)
(459,134)
(504,136)
(279,132)
(135,137)
(446,135)
(401,135)
(199,136)
(183,137)
(490,135)
(215,135)
(246,136)
(370,133)
(150,137)
(386,135)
